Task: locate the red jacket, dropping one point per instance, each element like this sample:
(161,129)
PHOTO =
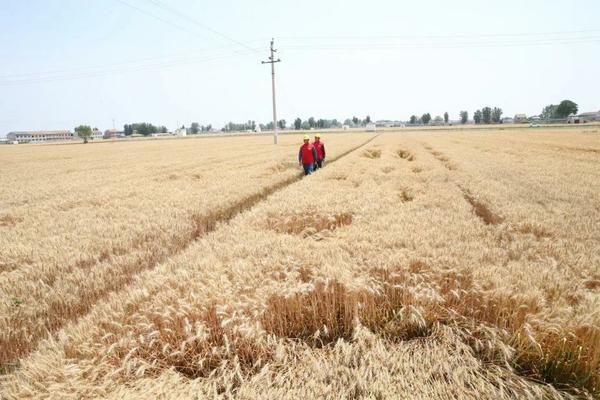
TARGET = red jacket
(307,154)
(320,147)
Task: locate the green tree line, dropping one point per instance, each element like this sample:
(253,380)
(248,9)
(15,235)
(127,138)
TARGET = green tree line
(143,128)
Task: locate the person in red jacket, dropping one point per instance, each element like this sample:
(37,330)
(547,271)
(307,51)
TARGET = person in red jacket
(307,156)
(320,148)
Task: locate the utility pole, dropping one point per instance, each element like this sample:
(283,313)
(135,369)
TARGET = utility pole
(272,61)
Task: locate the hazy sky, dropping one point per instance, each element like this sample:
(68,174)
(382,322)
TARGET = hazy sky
(67,62)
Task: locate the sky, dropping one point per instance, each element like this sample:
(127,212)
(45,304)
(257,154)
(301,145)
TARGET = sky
(172,62)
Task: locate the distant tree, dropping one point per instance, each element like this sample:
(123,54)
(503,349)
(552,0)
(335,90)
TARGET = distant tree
(143,128)
(367,120)
(281,123)
(297,124)
(464,117)
(486,115)
(249,125)
(311,122)
(84,132)
(425,118)
(549,112)
(195,128)
(566,108)
(305,125)
(496,115)
(477,116)
(413,119)
(355,121)
(446,117)
(438,119)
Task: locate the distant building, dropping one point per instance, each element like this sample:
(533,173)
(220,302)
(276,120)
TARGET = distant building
(96,134)
(584,118)
(520,119)
(371,127)
(39,136)
(181,132)
(112,133)
(508,120)
(345,127)
(386,123)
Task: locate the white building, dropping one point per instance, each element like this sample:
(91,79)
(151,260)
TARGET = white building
(181,132)
(97,134)
(39,136)
(386,123)
(584,118)
(371,127)
(520,118)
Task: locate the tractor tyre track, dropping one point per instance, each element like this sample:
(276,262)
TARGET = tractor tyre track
(21,342)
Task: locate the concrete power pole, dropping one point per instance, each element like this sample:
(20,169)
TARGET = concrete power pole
(272,61)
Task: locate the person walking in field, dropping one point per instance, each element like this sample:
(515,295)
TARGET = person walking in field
(307,156)
(320,148)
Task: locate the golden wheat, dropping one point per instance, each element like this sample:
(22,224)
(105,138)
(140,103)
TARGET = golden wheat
(426,265)
(80,222)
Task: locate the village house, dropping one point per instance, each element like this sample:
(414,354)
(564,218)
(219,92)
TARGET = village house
(520,119)
(584,118)
(96,134)
(39,136)
(112,134)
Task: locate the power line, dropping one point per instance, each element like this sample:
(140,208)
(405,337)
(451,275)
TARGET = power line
(141,10)
(443,41)
(135,68)
(201,25)
(132,63)
(443,45)
(448,36)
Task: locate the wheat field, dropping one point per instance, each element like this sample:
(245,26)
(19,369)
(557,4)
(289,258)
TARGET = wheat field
(433,265)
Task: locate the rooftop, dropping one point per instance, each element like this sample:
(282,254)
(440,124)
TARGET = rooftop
(588,114)
(36,133)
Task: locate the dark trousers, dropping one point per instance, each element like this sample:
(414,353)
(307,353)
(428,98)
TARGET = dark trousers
(319,164)
(308,168)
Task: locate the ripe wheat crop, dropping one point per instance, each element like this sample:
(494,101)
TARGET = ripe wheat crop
(79,222)
(421,265)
